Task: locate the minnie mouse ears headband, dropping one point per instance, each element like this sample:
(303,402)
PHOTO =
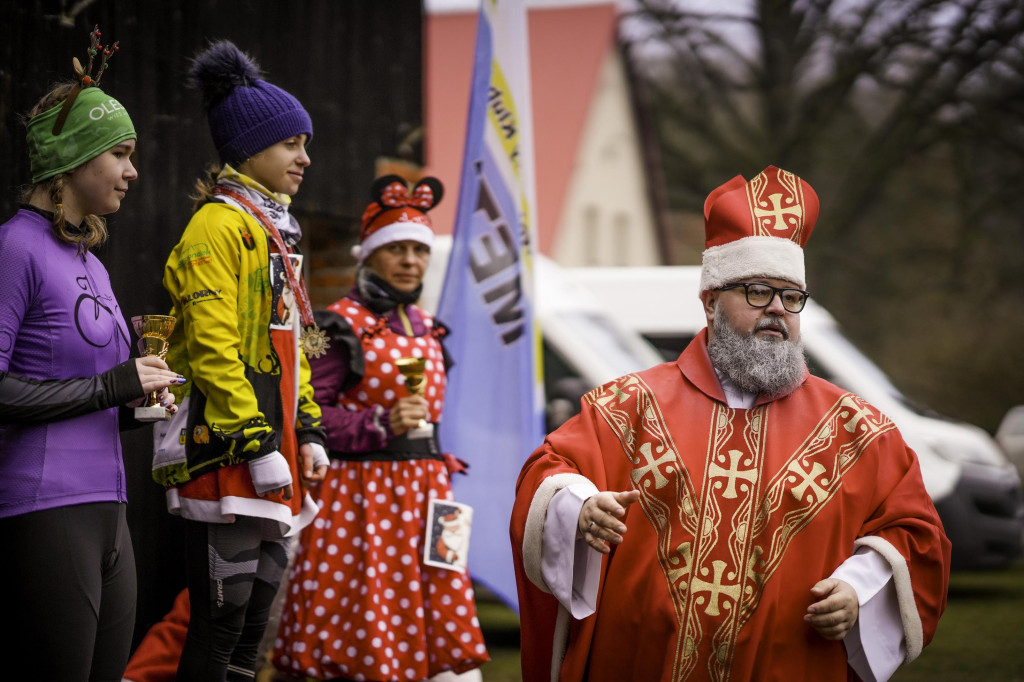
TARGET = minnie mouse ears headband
(396,215)
(390,191)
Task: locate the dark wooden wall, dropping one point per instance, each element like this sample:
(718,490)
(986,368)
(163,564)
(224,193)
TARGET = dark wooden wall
(355,65)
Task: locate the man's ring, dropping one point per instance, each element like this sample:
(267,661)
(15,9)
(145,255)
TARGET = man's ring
(590,528)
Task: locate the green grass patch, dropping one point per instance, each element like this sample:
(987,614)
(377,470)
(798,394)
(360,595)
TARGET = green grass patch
(981,636)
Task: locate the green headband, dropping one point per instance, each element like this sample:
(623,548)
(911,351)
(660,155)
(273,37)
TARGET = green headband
(95,123)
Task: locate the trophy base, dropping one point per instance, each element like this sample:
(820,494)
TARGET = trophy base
(152,413)
(425,431)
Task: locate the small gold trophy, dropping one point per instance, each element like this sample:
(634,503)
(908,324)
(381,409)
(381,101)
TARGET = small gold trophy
(153,332)
(412,369)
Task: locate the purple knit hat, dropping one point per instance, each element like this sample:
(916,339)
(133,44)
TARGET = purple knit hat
(246,114)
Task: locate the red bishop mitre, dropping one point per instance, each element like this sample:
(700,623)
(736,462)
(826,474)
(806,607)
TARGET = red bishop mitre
(395,215)
(758,228)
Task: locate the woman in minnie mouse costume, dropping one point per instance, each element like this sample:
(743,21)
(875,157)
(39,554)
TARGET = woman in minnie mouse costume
(361,603)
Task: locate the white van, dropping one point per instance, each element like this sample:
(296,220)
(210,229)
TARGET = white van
(976,490)
(583,345)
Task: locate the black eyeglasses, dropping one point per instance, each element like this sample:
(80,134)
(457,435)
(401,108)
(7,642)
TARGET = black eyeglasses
(761,295)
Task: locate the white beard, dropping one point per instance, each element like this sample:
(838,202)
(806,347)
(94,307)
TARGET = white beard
(756,364)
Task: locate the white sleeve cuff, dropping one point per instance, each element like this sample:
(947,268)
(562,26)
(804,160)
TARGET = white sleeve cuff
(866,572)
(875,646)
(571,568)
(319,456)
(270,472)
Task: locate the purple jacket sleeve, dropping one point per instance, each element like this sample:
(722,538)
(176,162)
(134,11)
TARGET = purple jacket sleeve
(347,430)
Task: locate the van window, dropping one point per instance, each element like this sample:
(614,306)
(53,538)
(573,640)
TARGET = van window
(618,350)
(670,345)
(555,370)
(564,385)
(563,389)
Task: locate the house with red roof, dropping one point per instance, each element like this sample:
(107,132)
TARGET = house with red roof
(594,193)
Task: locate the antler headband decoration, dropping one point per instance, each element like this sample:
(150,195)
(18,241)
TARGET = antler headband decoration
(85,76)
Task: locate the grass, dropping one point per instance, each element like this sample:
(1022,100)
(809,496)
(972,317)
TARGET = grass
(500,625)
(980,638)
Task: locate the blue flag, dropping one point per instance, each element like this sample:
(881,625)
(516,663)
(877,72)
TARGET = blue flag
(494,400)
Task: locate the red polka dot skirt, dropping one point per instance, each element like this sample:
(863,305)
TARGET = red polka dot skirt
(360,601)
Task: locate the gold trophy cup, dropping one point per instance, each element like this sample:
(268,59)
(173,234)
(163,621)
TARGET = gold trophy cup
(412,369)
(153,332)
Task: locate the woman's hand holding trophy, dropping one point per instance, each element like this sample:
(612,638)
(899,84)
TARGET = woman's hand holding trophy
(413,370)
(153,332)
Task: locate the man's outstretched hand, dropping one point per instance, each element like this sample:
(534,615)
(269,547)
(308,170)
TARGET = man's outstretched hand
(599,521)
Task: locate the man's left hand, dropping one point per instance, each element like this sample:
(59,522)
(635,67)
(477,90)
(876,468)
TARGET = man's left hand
(835,612)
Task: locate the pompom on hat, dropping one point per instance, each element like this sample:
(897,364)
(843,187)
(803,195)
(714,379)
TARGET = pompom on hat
(246,114)
(395,215)
(758,228)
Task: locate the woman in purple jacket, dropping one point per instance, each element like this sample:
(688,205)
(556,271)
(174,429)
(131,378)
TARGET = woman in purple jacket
(65,370)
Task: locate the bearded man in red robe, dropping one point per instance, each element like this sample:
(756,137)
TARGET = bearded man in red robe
(727,516)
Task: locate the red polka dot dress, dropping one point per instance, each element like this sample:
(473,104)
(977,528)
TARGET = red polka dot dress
(360,603)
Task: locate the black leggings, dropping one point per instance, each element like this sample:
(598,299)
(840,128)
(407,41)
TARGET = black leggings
(69,592)
(233,571)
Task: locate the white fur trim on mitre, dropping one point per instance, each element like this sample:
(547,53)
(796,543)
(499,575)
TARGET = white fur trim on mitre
(395,232)
(770,257)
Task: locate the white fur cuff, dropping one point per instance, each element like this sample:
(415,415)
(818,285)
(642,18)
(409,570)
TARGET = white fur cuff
(912,629)
(533,535)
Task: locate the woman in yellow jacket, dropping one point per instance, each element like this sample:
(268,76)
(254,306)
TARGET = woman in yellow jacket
(234,466)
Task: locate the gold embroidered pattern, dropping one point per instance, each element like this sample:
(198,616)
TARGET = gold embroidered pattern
(776,205)
(717,550)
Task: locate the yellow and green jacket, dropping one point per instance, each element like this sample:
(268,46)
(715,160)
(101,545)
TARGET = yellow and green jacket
(218,277)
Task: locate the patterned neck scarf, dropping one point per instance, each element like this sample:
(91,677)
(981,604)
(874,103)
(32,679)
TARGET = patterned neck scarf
(274,205)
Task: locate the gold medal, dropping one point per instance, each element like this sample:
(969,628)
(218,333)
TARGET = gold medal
(313,341)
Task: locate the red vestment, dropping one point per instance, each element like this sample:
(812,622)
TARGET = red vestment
(741,512)
(156,658)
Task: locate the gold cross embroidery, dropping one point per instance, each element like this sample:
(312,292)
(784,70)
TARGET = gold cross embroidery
(681,563)
(715,588)
(732,473)
(809,481)
(778,212)
(859,414)
(616,393)
(651,466)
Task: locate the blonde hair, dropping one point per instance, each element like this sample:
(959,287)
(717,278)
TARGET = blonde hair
(93,231)
(204,186)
